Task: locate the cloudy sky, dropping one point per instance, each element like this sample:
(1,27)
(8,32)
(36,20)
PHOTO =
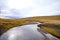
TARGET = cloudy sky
(27,8)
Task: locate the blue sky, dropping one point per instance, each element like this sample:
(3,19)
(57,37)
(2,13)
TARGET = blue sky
(28,8)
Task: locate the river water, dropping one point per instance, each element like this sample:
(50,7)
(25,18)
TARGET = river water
(25,32)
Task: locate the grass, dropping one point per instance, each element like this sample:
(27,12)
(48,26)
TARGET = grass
(52,31)
(51,28)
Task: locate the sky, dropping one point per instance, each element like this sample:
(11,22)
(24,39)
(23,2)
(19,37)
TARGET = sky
(29,8)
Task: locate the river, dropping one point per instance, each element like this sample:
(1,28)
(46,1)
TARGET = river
(25,32)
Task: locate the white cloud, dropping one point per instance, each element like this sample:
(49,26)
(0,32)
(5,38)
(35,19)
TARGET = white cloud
(6,13)
(19,4)
(27,8)
(47,7)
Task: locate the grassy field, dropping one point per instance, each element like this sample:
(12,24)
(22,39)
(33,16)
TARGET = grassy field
(6,24)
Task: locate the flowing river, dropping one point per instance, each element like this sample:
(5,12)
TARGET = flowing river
(25,32)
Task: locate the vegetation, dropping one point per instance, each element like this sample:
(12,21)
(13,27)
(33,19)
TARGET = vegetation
(53,29)
(6,24)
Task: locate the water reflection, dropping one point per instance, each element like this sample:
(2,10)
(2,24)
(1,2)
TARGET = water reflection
(26,32)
